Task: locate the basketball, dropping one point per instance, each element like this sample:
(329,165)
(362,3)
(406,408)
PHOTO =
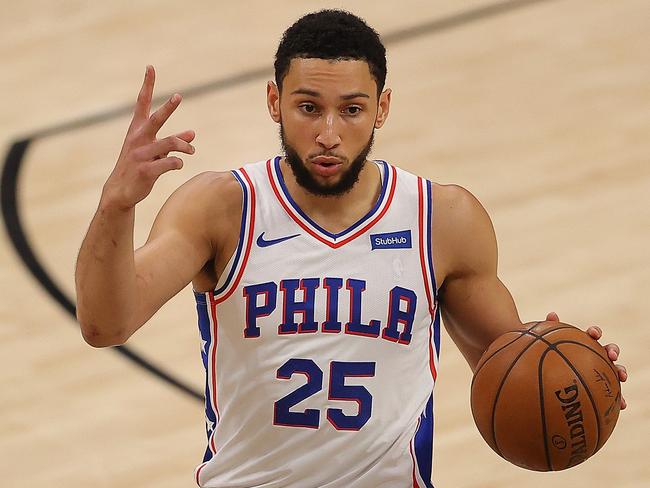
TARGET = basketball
(545,397)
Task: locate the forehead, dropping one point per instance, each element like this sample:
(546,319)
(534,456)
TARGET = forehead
(335,76)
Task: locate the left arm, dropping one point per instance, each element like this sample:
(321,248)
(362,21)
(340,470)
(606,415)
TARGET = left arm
(476,306)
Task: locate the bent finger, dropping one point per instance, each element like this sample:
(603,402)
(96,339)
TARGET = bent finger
(160,116)
(595,332)
(613,351)
(622,372)
(160,149)
(162,166)
(552,317)
(186,135)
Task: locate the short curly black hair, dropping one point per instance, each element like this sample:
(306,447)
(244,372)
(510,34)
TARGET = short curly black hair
(331,34)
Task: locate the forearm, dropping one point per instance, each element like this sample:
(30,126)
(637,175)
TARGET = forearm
(105,277)
(476,312)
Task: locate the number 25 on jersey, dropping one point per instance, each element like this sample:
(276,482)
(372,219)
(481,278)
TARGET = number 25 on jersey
(337,390)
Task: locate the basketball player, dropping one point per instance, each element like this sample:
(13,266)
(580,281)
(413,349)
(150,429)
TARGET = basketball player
(320,276)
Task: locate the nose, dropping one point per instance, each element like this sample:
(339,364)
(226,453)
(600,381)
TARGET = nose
(328,133)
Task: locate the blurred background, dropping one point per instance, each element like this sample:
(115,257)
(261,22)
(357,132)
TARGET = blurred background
(540,108)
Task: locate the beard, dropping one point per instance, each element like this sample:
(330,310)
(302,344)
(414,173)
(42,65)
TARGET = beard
(307,181)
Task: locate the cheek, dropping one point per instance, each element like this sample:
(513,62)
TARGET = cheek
(297,130)
(360,133)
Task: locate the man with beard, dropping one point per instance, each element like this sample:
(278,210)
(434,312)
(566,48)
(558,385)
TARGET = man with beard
(320,276)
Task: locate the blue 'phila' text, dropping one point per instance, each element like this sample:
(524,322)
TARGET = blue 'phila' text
(263,298)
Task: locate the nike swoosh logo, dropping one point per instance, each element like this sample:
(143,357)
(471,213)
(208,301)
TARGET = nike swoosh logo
(261,242)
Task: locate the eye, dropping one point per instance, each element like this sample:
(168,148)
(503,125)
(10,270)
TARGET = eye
(352,110)
(308,108)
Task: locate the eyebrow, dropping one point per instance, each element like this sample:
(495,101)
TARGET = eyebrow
(315,94)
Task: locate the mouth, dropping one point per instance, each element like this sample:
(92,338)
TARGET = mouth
(326,165)
(326,160)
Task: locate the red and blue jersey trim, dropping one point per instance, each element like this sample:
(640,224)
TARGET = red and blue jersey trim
(425,216)
(422,442)
(206,304)
(245,242)
(209,327)
(421,448)
(389,181)
(425,219)
(242,229)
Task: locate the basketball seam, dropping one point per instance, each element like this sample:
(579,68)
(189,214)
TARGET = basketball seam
(505,377)
(521,333)
(584,385)
(544,334)
(593,403)
(542,409)
(607,361)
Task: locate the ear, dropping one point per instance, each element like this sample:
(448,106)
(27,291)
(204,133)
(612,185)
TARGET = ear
(273,101)
(383,108)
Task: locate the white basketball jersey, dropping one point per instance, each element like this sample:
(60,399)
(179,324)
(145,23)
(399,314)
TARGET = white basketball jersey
(321,349)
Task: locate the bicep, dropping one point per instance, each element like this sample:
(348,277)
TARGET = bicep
(164,266)
(476,306)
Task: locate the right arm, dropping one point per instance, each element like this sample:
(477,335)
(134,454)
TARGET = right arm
(119,289)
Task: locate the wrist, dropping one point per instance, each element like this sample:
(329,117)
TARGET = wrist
(110,203)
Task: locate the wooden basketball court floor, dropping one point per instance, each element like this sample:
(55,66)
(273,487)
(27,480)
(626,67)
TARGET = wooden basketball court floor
(540,108)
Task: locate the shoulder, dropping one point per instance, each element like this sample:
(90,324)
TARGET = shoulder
(462,230)
(457,208)
(210,183)
(454,198)
(207,203)
(208,192)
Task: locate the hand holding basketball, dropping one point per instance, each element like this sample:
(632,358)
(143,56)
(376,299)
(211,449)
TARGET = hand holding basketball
(613,351)
(546,397)
(143,157)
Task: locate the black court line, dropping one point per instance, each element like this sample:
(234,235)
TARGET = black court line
(13,223)
(16,155)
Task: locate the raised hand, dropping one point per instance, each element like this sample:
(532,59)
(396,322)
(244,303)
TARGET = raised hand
(144,157)
(613,351)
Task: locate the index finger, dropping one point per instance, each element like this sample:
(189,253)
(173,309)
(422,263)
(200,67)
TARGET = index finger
(143,104)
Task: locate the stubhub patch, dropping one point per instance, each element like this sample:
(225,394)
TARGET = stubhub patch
(391,240)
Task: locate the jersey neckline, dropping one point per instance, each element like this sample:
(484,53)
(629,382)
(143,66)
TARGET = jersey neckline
(388,175)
